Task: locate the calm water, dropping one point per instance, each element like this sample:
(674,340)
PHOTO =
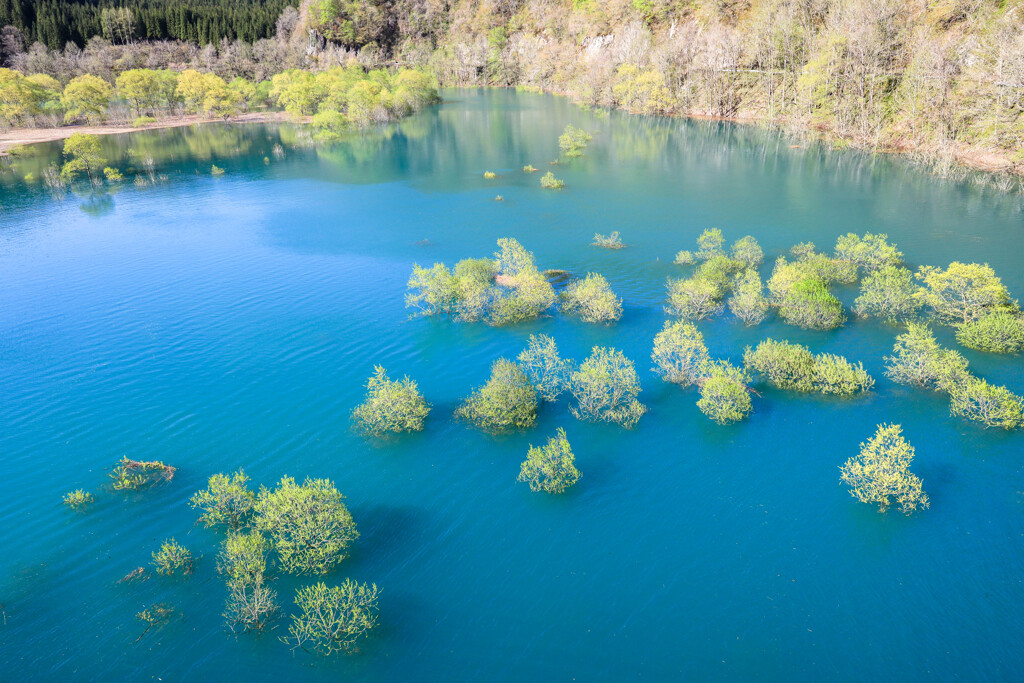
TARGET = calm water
(218,323)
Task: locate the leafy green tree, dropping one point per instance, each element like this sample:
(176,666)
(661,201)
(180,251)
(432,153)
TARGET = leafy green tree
(881,474)
(141,88)
(78,499)
(391,406)
(963,292)
(83,155)
(693,298)
(976,399)
(512,258)
(680,355)
(998,332)
(888,292)
(433,290)
(836,375)
(227,500)
(573,141)
(612,241)
(709,244)
(243,557)
(719,270)
(86,97)
(308,525)
(333,619)
(172,558)
(551,468)
(809,304)
(724,397)
(251,605)
(592,299)
(919,360)
(606,387)
(870,252)
(135,475)
(547,371)
(748,302)
(747,251)
(792,366)
(684,258)
(507,401)
(549,182)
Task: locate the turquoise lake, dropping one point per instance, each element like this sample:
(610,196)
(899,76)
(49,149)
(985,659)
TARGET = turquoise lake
(225,322)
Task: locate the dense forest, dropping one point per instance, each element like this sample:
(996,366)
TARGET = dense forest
(54,23)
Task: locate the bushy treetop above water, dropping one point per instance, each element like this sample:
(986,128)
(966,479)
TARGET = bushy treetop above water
(881,475)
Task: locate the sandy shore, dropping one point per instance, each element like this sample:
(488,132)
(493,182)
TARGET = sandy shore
(28,136)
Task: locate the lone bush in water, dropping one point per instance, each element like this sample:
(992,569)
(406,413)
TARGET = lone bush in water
(881,475)
(792,366)
(227,500)
(592,299)
(551,468)
(724,397)
(836,375)
(870,252)
(547,371)
(549,182)
(606,387)
(888,293)
(433,290)
(693,298)
(78,499)
(684,258)
(243,556)
(507,401)
(680,355)
(748,302)
(332,619)
(709,244)
(747,251)
(612,241)
(172,558)
(976,399)
(135,475)
(998,332)
(809,304)
(308,525)
(963,292)
(251,605)
(918,359)
(391,406)
(573,141)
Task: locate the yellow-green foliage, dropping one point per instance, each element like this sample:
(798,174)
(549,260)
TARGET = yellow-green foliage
(748,302)
(332,619)
(871,252)
(881,474)
(172,558)
(888,293)
(550,468)
(976,399)
(549,182)
(548,372)
(998,332)
(723,393)
(78,499)
(529,168)
(216,170)
(962,292)
(243,557)
(709,244)
(134,475)
(684,258)
(507,401)
(680,355)
(227,500)
(809,304)
(490,175)
(605,388)
(86,97)
(592,299)
(308,525)
(82,154)
(573,141)
(693,298)
(612,241)
(747,251)
(112,175)
(391,406)
(792,366)
(642,92)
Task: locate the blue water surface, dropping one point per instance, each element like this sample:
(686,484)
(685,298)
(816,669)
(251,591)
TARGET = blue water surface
(225,322)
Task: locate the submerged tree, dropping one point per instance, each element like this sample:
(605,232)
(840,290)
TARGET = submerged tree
(792,366)
(391,406)
(881,472)
(870,252)
(709,243)
(976,399)
(680,355)
(432,290)
(227,500)
(693,298)
(550,468)
(724,397)
(888,293)
(748,302)
(919,360)
(606,387)
(963,292)
(135,475)
(243,556)
(507,401)
(332,619)
(549,182)
(592,299)
(747,251)
(573,141)
(251,605)
(308,525)
(83,155)
(547,371)
(78,499)
(809,304)
(172,558)
(998,332)
(612,241)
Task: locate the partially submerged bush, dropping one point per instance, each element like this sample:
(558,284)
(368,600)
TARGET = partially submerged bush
(549,182)
(709,244)
(433,290)
(693,298)
(227,500)
(680,355)
(243,557)
(612,241)
(889,293)
(881,472)
(724,397)
(998,332)
(251,605)
(963,292)
(573,141)
(391,406)
(332,619)
(747,251)
(809,304)
(507,401)
(551,468)
(792,366)
(919,360)
(870,252)
(531,295)
(135,475)
(529,168)
(308,525)
(592,299)
(547,371)
(748,302)
(172,558)
(78,499)
(684,258)
(490,175)
(719,270)
(976,399)
(606,387)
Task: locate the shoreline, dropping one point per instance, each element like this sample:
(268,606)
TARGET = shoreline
(30,136)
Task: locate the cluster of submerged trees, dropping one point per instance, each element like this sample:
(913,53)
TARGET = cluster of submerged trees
(300,529)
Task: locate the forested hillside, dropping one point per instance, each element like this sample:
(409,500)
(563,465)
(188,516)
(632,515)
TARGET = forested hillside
(54,23)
